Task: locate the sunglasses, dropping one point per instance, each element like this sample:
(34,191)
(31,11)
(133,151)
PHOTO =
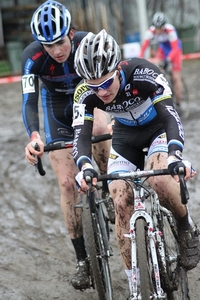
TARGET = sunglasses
(104,85)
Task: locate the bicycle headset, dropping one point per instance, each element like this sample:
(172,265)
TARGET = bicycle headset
(158,20)
(50,22)
(97,55)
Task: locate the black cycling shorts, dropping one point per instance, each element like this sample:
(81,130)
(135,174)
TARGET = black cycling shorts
(129,141)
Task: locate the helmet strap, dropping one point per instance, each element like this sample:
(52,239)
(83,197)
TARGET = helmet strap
(71,33)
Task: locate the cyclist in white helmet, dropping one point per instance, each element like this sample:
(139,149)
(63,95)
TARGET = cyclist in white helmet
(169,51)
(51,59)
(138,96)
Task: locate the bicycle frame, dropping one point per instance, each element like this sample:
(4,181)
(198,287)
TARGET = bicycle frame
(140,212)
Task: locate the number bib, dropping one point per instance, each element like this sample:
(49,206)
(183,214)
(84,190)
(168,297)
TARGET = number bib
(28,84)
(78,114)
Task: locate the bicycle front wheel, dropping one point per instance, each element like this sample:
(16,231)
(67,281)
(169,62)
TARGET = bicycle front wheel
(96,250)
(177,287)
(143,259)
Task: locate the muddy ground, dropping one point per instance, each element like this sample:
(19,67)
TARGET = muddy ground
(36,256)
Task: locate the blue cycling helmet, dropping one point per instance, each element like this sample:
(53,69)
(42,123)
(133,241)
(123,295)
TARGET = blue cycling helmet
(50,22)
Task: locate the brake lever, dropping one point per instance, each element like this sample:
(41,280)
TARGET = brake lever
(90,196)
(183,187)
(39,165)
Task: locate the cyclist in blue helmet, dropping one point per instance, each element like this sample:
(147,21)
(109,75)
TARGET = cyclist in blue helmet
(50,22)
(51,59)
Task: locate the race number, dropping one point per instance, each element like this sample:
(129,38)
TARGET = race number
(78,114)
(28,84)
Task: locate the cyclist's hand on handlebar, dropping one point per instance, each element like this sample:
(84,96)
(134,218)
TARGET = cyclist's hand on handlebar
(30,150)
(85,176)
(173,163)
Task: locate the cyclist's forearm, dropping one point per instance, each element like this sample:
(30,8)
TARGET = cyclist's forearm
(144,47)
(172,124)
(82,147)
(30,114)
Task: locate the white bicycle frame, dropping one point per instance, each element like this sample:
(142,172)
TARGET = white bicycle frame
(154,237)
(156,242)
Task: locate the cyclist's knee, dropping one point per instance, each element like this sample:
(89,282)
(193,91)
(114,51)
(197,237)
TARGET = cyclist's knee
(101,119)
(157,182)
(67,185)
(122,195)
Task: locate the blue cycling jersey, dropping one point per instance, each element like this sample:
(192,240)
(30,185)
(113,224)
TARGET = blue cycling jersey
(58,82)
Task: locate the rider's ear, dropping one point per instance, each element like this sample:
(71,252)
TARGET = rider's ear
(71,34)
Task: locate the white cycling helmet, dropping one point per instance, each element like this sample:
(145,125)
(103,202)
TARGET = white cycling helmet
(50,22)
(158,20)
(97,55)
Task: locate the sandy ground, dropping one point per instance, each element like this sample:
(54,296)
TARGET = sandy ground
(36,256)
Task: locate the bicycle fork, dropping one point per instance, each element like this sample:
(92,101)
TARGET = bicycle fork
(153,237)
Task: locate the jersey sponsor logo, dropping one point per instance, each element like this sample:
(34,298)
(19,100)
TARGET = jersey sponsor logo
(76,136)
(133,102)
(52,69)
(28,83)
(127,87)
(119,164)
(162,136)
(65,132)
(124,62)
(66,91)
(79,92)
(126,105)
(159,141)
(37,55)
(135,92)
(146,71)
(113,156)
(178,120)
(159,91)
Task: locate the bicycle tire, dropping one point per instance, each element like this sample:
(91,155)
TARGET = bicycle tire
(176,274)
(98,260)
(105,213)
(143,259)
